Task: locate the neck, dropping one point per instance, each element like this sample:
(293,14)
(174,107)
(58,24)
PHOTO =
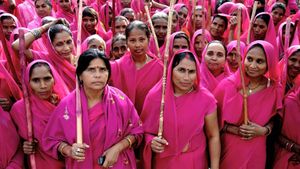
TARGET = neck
(178,92)
(140,59)
(161,43)
(93,95)
(256,80)
(216,73)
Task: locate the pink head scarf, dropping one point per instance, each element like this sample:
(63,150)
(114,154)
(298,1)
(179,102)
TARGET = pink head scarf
(225,7)
(207,38)
(85,44)
(177,8)
(60,13)
(233,45)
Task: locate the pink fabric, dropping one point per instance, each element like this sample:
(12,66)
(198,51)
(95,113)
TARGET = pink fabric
(291,119)
(208,80)
(136,83)
(177,8)
(60,13)
(281,21)
(280,45)
(41,112)
(233,45)
(120,119)
(262,105)
(245,18)
(10,157)
(152,47)
(207,38)
(183,124)
(26,12)
(270,35)
(225,7)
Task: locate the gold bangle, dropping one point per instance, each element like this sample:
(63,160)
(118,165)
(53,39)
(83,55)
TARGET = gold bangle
(61,148)
(129,141)
(269,130)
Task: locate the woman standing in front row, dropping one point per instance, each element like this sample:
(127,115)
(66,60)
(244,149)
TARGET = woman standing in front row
(111,126)
(244,145)
(190,118)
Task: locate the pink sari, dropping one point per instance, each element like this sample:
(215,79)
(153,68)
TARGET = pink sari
(262,106)
(10,157)
(136,83)
(208,80)
(60,13)
(26,12)
(41,112)
(183,125)
(103,126)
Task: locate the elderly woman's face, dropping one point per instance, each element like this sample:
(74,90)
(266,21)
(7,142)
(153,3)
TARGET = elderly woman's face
(184,76)
(96,44)
(42,8)
(294,65)
(95,76)
(41,82)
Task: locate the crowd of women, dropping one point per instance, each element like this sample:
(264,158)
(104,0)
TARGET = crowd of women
(229,97)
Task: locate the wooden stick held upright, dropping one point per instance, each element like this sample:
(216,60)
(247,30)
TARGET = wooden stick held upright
(78,100)
(164,79)
(251,21)
(245,103)
(152,30)
(113,17)
(25,94)
(286,46)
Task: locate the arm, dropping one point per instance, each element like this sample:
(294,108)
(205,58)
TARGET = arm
(159,5)
(212,134)
(289,144)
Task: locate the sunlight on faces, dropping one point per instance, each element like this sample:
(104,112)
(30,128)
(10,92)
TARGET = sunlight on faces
(294,65)
(255,63)
(184,76)
(41,82)
(95,76)
(260,28)
(8,25)
(42,8)
(180,43)
(137,42)
(63,44)
(215,58)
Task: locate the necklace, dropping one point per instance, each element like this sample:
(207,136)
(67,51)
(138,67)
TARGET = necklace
(253,88)
(190,90)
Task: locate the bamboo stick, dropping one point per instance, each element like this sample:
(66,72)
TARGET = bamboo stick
(113,17)
(285,57)
(251,21)
(78,101)
(162,106)
(152,30)
(25,94)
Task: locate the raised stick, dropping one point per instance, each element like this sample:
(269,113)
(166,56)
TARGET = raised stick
(251,21)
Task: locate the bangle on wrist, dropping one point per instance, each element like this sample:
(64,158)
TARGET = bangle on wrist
(61,148)
(129,141)
(269,130)
(36,33)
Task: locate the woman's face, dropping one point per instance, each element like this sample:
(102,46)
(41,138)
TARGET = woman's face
(95,76)
(294,65)
(8,25)
(41,82)
(42,8)
(63,44)
(160,27)
(260,28)
(137,42)
(255,63)
(277,15)
(130,16)
(96,44)
(174,22)
(199,15)
(184,76)
(65,5)
(89,23)
(182,15)
(120,26)
(118,49)
(292,28)
(180,43)
(217,27)
(232,59)
(199,45)
(215,58)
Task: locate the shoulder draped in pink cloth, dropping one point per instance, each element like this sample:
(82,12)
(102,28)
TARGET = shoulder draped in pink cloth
(117,119)
(41,112)
(136,83)
(10,157)
(208,80)
(183,125)
(262,105)
(291,119)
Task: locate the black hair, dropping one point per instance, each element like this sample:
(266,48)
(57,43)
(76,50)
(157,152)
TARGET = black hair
(87,56)
(261,1)
(121,18)
(265,17)
(183,35)
(220,42)
(48,2)
(88,11)
(58,28)
(297,51)
(180,56)
(2,18)
(223,18)
(39,64)
(279,5)
(125,11)
(138,25)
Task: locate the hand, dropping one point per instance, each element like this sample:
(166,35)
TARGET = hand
(233,22)
(251,130)
(5,104)
(142,17)
(158,144)
(30,147)
(78,151)
(295,159)
(111,156)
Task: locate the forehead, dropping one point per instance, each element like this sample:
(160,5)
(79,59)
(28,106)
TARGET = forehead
(40,2)
(260,21)
(296,54)
(97,63)
(40,71)
(160,21)
(9,21)
(62,36)
(119,43)
(256,52)
(95,41)
(121,22)
(136,32)
(215,47)
(183,10)
(187,63)
(181,41)
(219,20)
(278,9)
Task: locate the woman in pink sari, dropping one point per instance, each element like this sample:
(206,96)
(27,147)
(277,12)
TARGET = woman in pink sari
(111,126)
(43,8)
(190,118)
(213,67)
(60,49)
(65,9)
(46,89)
(118,47)
(199,41)
(26,12)
(11,157)
(278,11)
(138,70)
(244,145)
(95,42)
(232,57)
